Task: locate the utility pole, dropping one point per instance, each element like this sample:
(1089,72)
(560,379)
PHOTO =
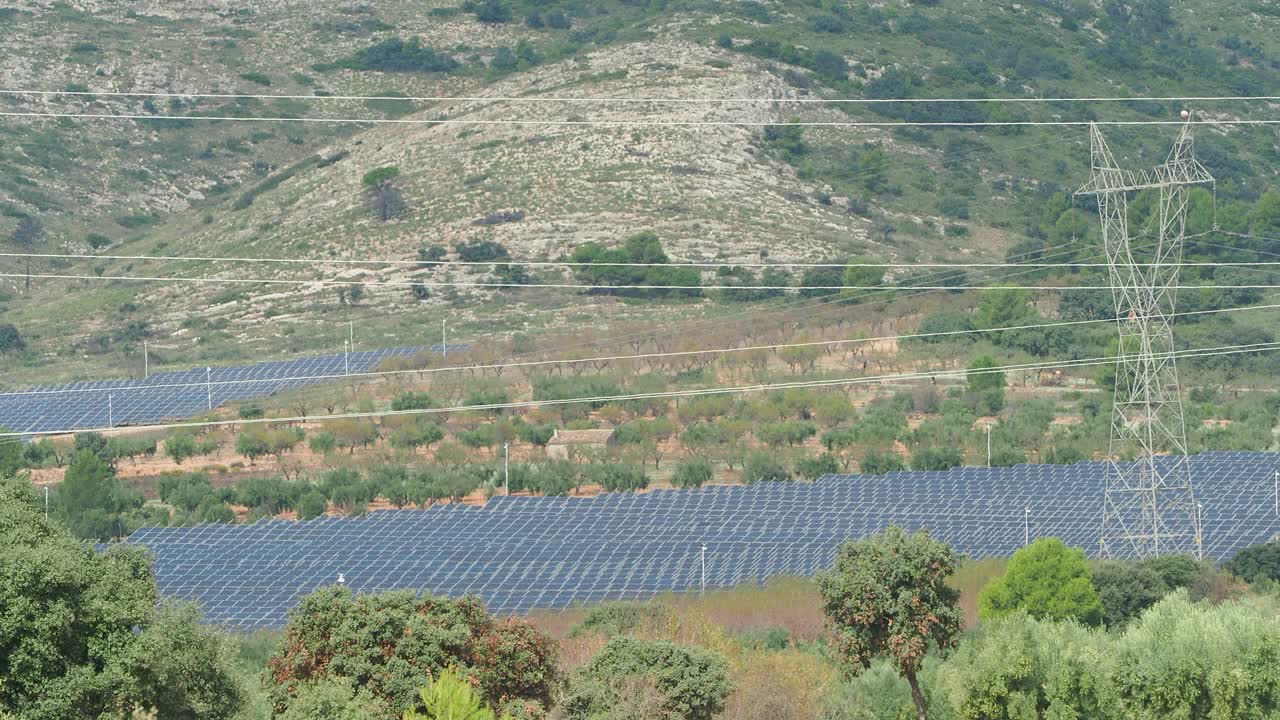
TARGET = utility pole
(1026,526)
(444,340)
(351,333)
(111,415)
(506,468)
(346,354)
(1149,504)
(146,362)
(46,502)
(208,388)
(1277,493)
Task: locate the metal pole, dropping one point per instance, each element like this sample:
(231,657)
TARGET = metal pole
(146,362)
(46,502)
(1278,492)
(444,340)
(346,362)
(208,386)
(351,335)
(704,568)
(506,468)
(111,415)
(1026,526)
(988,445)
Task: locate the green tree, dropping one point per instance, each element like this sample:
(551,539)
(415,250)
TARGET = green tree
(449,697)
(91,502)
(1020,667)
(858,277)
(1126,590)
(694,682)
(10,339)
(887,596)
(11,455)
(984,392)
(312,504)
(385,197)
(81,635)
(180,446)
(1004,307)
(692,473)
(880,462)
(1046,579)
(1256,563)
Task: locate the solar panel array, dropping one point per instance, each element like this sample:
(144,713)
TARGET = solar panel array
(520,553)
(176,395)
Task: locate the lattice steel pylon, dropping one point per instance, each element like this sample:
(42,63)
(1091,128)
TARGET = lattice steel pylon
(1149,505)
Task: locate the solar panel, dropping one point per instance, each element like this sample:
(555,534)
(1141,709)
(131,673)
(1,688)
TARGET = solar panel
(178,395)
(522,553)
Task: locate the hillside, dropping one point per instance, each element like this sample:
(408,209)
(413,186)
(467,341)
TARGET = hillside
(719,193)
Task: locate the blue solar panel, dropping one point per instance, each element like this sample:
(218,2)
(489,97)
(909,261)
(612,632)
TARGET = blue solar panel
(521,553)
(177,395)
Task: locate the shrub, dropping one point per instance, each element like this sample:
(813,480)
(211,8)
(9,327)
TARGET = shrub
(693,682)
(879,462)
(619,618)
(385,642)
(10,339)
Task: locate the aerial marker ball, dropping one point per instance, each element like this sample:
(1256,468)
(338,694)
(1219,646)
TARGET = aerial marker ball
(1185,114)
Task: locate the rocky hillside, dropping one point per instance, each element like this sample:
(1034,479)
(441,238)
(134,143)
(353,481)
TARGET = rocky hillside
(728,190)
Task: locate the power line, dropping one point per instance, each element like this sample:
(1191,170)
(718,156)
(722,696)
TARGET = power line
(643,123)
(611,358)
(427,264)
(835,290)
(1195,352)
(563,99)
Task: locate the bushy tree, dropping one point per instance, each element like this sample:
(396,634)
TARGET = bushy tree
(180,446)
(386,642)
(385,197)
(694,682)
(880,462)
(1046,579)
(81,635)
(887,596)
(10,339)
(692,473)
(1256,563)
(91,501)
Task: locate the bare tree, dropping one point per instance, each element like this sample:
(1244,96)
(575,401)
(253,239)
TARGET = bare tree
(25,237)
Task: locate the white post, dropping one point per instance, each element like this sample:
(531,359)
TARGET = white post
(46,502)
(146,362)
(1199,531)
(704,568)
(111,415)
(1026,526)
(988,445)
(351,333)
(444,340)
(1278,492)
(506,468)
(346,361)
(208,387)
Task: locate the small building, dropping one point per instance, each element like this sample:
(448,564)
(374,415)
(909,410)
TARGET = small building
(565,442)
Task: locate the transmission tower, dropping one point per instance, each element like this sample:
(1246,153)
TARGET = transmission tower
(1149,504)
